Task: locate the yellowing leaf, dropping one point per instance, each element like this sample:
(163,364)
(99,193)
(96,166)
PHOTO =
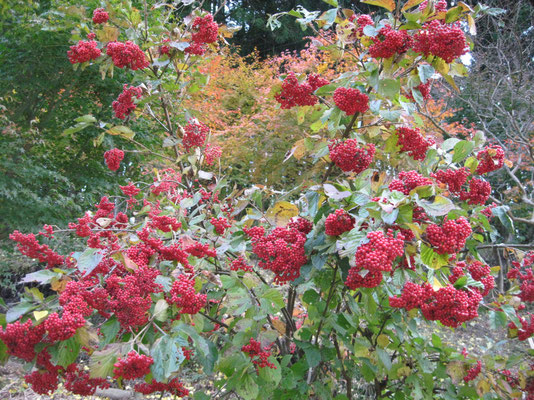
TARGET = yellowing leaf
(279,326)
(456,371)
(108,34)
(281,213)
(472,26)
(483,387)
(382,340)
(299,149)
(410,4)
(387,4)
(436,285)
(39,315)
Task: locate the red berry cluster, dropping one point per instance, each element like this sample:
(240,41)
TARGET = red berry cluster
(83,51)
(80,382)
(299,94)
(523,272)
(258,356)
(412,142)
(124,104)
(131,191)
(134,366)
(373,258)
(60,329)
(42,382)
(479,192)
(350,156)
(113,158)
(338,222)
(183,294)
(239,264)
(490,159)
(212,153)
(130,296)
(168,182)
(165,223)
(451,306)
(389,42)
(454,179)
(20,339)
(195,134)
(127,54)
(478,271)
(174,387)
(164,49)
(205,31)
(200,250)
(362,21)
(527,327)
(440,6)
(301,224)
(450,237)
(488,211)
(100,16)
(351,100)
(281,251)
(473,372)
(446,41)
(30,247)
(220,224)
(408,181)
(424,89)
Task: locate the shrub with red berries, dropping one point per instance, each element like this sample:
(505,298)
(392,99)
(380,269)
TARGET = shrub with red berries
(195,134)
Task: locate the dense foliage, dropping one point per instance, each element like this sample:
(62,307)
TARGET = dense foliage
(317,293)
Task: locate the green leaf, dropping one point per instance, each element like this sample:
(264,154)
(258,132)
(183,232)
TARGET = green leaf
(101,362)
(440,206)
(384,358)
(461,150)
(333,3)
(160,310)
(88,260)
(425,72)
(511,314)
(109,330)
(44,276)
(19,310)
(168,356)
(328,17)
(453,14)
(122,131)
(86,118)
(3,352)
(247,387)
(66,352)
(389,87)
(313,356)
(449,144)
(501,212)
(271,375)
